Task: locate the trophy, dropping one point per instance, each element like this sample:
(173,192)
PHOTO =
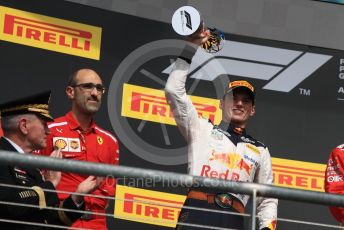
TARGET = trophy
(187,20)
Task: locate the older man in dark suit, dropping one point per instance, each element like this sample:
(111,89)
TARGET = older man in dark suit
(24,125)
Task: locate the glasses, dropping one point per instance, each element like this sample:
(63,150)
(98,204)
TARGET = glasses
(90,86)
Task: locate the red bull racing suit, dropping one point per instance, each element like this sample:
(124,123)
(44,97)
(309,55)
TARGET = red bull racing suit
(217,152)
(334,178)
(93,145)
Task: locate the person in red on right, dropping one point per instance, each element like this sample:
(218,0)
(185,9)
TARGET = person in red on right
(1,133)
(80,138)
(334,179)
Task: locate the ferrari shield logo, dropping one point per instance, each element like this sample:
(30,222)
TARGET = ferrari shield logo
(100,140)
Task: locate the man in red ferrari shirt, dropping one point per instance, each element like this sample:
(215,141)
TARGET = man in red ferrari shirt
(80,138)
(334,179)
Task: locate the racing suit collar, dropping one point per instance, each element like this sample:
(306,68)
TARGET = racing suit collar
(74,124)
(230,128)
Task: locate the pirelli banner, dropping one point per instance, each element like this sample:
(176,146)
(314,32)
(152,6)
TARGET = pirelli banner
(299,101)
(50,33)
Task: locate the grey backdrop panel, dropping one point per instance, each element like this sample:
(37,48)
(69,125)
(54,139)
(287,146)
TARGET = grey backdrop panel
(299,21)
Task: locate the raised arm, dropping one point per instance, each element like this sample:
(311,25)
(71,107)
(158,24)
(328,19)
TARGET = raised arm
(183,110)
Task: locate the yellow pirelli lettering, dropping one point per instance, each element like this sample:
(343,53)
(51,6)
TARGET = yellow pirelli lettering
(298,174)
(50,33)
(147,206)
(150,105)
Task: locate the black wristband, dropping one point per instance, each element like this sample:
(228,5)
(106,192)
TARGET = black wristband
(188,53)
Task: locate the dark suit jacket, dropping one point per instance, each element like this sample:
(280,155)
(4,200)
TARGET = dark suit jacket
(30,178)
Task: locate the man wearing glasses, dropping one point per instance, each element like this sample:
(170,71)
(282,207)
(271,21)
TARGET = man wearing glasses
(79,138)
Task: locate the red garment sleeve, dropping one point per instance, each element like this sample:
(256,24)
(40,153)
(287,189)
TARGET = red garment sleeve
(109,184)
(1,133)
(334,179)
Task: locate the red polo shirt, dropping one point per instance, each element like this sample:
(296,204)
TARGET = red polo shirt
(92,145)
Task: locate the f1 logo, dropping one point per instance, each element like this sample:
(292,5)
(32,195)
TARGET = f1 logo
(187,17)
(284,69)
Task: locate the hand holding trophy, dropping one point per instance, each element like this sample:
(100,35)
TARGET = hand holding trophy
(187,21)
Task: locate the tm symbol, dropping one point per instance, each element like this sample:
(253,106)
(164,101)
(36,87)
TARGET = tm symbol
(305,92)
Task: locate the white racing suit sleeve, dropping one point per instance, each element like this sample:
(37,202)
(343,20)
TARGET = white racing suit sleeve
(183,110)
(266,207)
